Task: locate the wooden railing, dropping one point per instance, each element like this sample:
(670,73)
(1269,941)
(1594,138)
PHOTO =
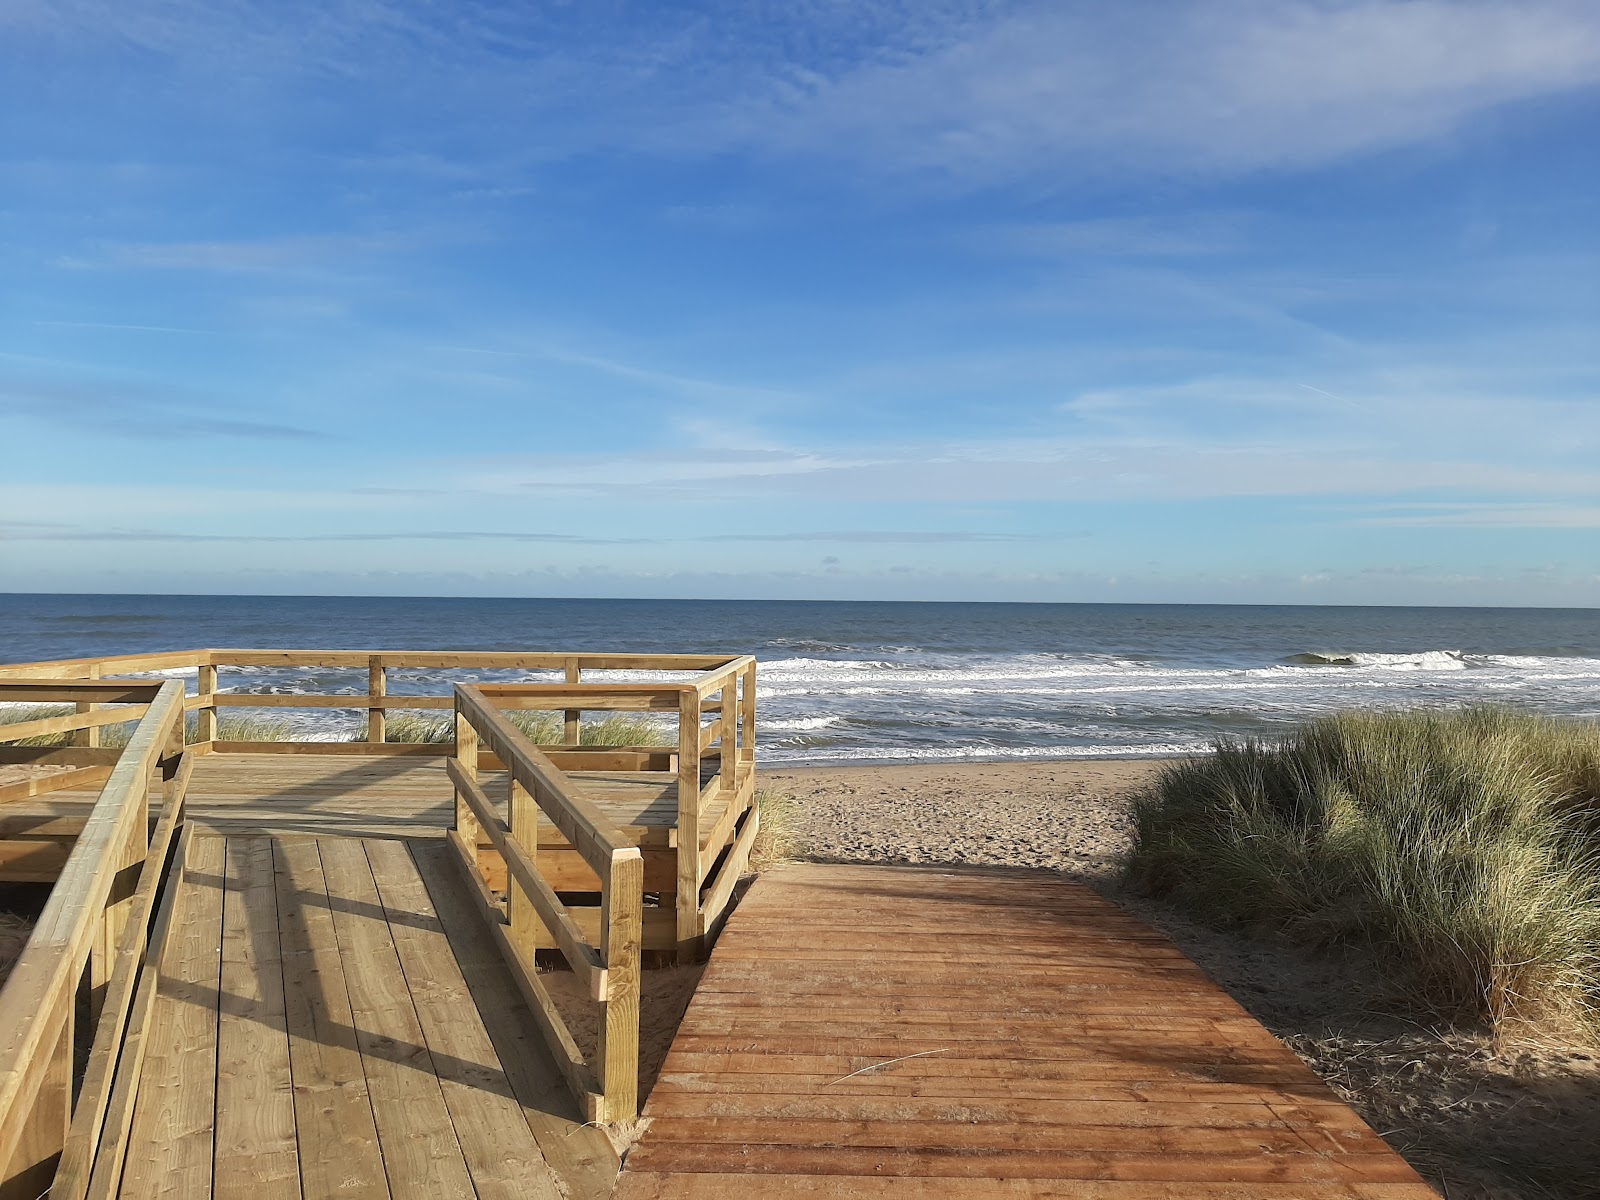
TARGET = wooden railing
(608,1085)
(95,937)
(378,700)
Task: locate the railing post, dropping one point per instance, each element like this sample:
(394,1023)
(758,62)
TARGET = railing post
(467,756)
(522,819)
(377,689)
(207,714)
(688,823)
(90,736)
(747,752)
(621,938)
(728,760)
(571,732)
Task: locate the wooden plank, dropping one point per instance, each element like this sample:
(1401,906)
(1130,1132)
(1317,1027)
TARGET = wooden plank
(895,1031)
(256,1151)
(377,689)
(337,1133)
(33,860)
(721,891)
(501,1152)
(108,1138)
(421,1153)
(735,1185)
(67,691)
(70,722)
(621,934)
(297,700)
(688,824)
(56,781)
(580,1154)
(63,756)
(170,1147)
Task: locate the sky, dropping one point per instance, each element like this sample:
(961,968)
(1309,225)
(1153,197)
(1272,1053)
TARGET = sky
(1277,301)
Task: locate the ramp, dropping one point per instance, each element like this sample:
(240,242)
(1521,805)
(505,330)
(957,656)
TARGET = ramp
(906,1032)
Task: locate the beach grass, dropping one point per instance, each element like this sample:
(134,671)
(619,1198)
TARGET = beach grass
(778,839)
(1460,849)
(542,729)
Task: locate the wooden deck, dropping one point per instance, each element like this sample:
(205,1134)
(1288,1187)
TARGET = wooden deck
(333,1019)
(905,1032)
(364,795)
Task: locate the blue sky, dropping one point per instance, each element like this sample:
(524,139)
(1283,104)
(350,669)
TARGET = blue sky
(1267,300)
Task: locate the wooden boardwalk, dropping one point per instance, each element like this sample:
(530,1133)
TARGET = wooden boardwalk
(333,1019)
(905,1032)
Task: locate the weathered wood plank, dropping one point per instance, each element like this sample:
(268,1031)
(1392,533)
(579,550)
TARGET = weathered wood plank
(580,1154)
(338,1136)
(421,1153)
(170,1148)
(256,1152)
(866,1031)
(501,1153)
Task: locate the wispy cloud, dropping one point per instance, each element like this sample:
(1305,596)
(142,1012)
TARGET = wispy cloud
(976,94)
(256,256)
(120,407)
(39,531)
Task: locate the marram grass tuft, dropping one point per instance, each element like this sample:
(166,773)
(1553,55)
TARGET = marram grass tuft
(1461,849)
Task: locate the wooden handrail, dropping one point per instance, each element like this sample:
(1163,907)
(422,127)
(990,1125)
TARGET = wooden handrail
(608,1087)
(81,929)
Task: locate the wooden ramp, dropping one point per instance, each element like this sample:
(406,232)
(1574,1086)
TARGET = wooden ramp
(332,1019)
(905,1032)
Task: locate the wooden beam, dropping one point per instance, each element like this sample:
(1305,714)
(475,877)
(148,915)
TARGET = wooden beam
(67,691)
(688,826)
(70,722)
(377,689)
(207,687)
(56,781)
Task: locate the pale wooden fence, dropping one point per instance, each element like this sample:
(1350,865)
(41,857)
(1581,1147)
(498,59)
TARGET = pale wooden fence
(609,971)
(99,933)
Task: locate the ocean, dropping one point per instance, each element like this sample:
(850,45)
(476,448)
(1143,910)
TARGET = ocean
(878,682)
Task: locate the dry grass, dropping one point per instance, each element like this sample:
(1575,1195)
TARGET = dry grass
(778,840)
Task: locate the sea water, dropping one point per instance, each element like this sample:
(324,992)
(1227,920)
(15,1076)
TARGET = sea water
(844,682)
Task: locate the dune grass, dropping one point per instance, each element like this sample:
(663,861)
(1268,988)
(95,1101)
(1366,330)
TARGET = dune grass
(231,727)
(778,840)
(542,728)
(1460,849)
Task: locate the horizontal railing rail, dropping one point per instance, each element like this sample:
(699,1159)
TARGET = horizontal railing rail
(377,701)
(93,936)
(607,1084)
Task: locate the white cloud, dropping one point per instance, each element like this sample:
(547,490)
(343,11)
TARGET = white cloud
(1188,86)
(981,94)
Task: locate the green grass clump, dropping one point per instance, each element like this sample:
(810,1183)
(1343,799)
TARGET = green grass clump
(541,728)
(1461,849)
(414,727)
(231,727)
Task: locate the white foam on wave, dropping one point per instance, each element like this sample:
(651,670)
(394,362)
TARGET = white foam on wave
(976,753)
(798,724)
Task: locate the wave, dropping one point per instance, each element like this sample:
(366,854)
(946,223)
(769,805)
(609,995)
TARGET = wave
(798,724)
(1431,660)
